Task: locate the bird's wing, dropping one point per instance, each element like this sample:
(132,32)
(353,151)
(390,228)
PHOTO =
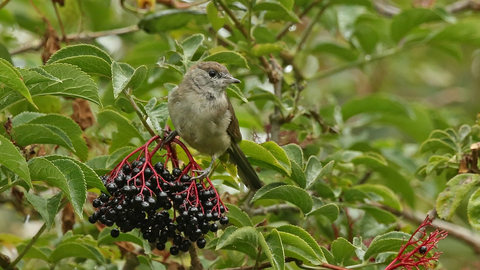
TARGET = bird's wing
(233,129)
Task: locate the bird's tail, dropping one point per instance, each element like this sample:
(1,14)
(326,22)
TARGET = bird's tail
(246,172)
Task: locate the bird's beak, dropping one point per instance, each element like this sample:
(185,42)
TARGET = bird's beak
(231,79)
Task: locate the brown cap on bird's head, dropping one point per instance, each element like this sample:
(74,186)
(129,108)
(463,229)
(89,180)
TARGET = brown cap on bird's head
(211,65)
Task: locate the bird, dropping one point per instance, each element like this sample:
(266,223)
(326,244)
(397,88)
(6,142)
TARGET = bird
(204,118)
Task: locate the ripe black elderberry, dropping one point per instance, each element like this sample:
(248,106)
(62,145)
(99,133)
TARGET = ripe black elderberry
(141,196)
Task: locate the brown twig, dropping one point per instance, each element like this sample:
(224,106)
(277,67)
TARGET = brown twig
(308,30)
(195,261)
(237,23)
(290,24)
(276,117)
(4,3)
(81,37)
(60,23)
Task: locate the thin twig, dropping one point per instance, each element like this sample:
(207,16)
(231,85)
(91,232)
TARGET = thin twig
(4,3)
(309,28)
(80,37)
(139,113)
(290,24)
(276,117)
(237,23)
(60,23)
(28,246)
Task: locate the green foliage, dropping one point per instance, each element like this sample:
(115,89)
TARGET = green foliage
(368,116)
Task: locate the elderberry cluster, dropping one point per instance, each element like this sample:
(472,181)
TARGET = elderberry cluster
(164,206)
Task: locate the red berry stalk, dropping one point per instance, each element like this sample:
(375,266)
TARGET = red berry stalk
(164,205)
(420,255)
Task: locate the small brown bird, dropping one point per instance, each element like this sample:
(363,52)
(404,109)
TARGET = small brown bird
(204,117)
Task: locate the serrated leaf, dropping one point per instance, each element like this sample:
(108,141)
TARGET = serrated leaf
(74,83)
(312,171)
(386,196)
(305,236)
(65,175)
(138,77)
(260,156)
(244,240)
(191,44)
(47,208)
(342,250)
(228,57)
(11,78)
(91,178)
(122,73)
(329,211)
(274,250)
(457,188)
(157,115)
(294,153)
(391,241)
(28,134)
(104,238)
(12,159)
(266,49)
(473,210)
(237,217)
(216,20)
(79,50)
(170,19)
(289,193)
(235,92)
(67,250)
(69,127)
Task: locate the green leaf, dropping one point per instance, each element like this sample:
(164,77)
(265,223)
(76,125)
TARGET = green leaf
(139,76)
(312,171)
(380,215)
(336,50)
(65,175)
(67,250)
(380,193)
(28,134)
(304,236)
(279,154)
(104,238)
(276,11)
(216,19)
(34,252)
(289,193)
(275,253)
(12,159)
(464,32)
(391,241)
(91,178)
(126,131)
(296,247)
(79,50)
(260,156)
(375,104)
(433,145)
(157,115)
(329,211)
(298,175)
(237,217)
(342,250)
(191,44)
(72,83)
(473,210)
(4,54)
(170,19)
(118,155)
(367,36)
(294,153)
(244,240)
(457,188)
(122,73)
(11,78)
(47,208)
(69,127)
(266,48)
(234,91)
(228,57)
(407,20)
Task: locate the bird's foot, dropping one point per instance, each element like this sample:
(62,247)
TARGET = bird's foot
(203,173)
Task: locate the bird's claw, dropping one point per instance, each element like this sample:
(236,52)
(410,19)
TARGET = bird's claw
(203,174)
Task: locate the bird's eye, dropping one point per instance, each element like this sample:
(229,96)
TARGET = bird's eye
(212,73)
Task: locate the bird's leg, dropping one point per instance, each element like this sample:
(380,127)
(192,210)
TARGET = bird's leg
(205,172)
(169,137)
